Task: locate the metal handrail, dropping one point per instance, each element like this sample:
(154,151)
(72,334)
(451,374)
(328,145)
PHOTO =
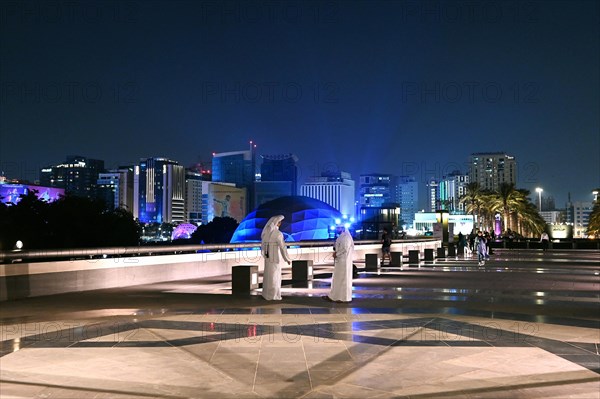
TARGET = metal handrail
(113,252)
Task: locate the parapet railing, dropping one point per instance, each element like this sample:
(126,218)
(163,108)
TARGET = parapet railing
(46,255)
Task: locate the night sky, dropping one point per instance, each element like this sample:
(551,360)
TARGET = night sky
(363,86)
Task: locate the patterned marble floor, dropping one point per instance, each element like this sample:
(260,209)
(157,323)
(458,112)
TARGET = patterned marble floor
(527,325)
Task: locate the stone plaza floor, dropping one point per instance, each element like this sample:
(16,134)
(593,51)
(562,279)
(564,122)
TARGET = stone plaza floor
(525,325)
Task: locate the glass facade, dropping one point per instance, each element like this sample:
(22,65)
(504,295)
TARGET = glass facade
(160,186)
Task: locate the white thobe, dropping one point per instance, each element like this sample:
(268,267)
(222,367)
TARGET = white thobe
(341,282)
(273,250)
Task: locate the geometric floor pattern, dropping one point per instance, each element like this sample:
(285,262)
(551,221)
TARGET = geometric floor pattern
(527,325)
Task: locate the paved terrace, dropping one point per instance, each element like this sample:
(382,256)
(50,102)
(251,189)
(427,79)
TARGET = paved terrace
(524,326)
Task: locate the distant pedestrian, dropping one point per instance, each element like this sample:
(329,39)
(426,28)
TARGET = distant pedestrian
(341,281)
(463,244)
(272,249)
(394,231)
(471,241)
(488,240)
(480,245)
(545,240)
(386,245)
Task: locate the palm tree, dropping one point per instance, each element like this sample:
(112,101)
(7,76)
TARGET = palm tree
(506,201)
(593,229)
(473,199)
(530,220)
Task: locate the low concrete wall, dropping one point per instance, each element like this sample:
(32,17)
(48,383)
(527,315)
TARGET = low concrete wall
(22,280)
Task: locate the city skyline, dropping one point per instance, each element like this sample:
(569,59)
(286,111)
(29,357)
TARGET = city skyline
(366,87)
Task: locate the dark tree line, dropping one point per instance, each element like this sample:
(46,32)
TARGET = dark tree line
(218,231)
(70,222)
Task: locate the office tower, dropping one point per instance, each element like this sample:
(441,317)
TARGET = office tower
(376,189)
(451,189)
(115,188)
(238,167)
(335,188)
(433,195)
(193,196)
(202,169)
(159,191)
(77,176)
(547,205)
(278,178)
(280,168)
(492,169)
(407,195)
(579,215)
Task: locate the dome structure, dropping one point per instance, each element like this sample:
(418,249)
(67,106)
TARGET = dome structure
(305,219)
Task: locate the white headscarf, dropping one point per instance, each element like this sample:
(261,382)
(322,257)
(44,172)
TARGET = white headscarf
(270,226)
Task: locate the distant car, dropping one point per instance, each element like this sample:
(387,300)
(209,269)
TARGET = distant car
(428,234)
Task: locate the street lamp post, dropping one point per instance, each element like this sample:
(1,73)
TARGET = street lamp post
(539,191)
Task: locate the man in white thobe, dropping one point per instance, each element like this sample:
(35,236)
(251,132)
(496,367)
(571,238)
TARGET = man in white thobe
(341,281)
(273,249)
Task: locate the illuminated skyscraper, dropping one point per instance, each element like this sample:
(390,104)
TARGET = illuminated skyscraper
(159,187)
(407,195)
(334,188)
(376,189)
(193,197)
(280,168)
(78,176)
(492,169)
(433,195)
(450,190)
(238,167)
(115,188)
(278,178)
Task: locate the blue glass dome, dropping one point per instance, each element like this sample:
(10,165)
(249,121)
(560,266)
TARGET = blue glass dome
(305,219)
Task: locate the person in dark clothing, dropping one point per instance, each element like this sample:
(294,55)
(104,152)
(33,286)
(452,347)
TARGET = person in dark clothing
(545,240)
(386,244)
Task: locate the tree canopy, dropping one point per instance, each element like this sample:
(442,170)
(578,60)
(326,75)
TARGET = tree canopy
(218,231)
(518,212)
(70,222)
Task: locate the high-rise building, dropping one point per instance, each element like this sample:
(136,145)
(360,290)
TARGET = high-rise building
(278,178)
(265,191)
(492,169)
(159,187)
(578,213)
(78,176)
(238,167)
(433,195)
(115,188)
(548,203)
(407,195)
(335,188)
(450,190)
(280,168)
(193,197)
(376,189)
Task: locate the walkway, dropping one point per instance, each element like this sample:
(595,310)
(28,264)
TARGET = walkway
(526,325)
